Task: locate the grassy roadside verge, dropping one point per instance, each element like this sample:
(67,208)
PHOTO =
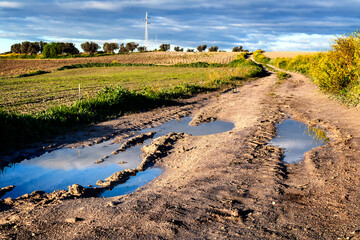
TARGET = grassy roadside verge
(336,72)
(19,129)
(280,75)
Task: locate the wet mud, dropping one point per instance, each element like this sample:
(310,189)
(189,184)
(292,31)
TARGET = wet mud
(231,185)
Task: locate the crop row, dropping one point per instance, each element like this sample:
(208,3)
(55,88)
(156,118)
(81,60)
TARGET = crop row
(13,67)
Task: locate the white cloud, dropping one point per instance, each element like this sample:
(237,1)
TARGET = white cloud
(151,4)
(99,5)
(286,41)
(6,4)
(219,27)
(270,25)
(301,42)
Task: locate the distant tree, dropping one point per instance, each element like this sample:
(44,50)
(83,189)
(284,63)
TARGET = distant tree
(178,49)
(34,48)
(52,50)
(90,47)
(86,47)
(24,47)
(16,48)
(122,49)
(239,49)
(201,48)
(131,46)
(213,49)
(190,50)
(110,47)
(106,46)
(42,45)
(164,47)
(142,49)
(69,48)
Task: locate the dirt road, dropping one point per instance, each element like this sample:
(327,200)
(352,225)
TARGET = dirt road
(231,185)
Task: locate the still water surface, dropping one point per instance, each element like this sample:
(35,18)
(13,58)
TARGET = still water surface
(297,138)
(63,167)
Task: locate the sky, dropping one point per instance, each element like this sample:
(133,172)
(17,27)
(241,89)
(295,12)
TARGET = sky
(292,25)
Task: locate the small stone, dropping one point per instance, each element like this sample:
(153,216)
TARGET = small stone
(102,183)
(4,190)
(122,162)
(8,200)
(235,213)
(26,195)
(111,204)
(76,189)
(100,161)
(34,193)
(73,220)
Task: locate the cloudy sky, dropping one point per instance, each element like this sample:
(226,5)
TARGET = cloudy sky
(292,25)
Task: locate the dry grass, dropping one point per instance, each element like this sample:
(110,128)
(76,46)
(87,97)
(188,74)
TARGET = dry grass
(285,54)
(13,67)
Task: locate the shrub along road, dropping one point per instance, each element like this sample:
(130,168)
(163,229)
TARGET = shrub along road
(228,185)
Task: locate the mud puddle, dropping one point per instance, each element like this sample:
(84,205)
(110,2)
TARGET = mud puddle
(63,167)
(297,138)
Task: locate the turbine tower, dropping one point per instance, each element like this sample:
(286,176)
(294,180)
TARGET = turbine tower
(146,20)
(155,40)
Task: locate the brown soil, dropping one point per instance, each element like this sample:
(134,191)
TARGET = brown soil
(231,185)
(13,67)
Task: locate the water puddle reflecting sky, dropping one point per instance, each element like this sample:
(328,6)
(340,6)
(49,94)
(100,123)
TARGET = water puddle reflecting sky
(297,138)
(61,168)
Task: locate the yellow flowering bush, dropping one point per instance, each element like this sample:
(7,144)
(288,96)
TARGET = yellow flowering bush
(259,57)
(281,62)
(337,71)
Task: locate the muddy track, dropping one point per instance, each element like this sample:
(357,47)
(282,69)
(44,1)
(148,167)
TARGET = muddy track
(231,185)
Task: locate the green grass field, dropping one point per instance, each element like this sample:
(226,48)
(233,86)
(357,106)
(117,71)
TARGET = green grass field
(41,106)
(32,94)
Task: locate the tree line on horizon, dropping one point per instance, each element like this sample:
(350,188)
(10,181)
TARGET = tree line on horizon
(55,49)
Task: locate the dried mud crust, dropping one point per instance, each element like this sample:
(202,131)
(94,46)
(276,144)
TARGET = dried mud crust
(231,185)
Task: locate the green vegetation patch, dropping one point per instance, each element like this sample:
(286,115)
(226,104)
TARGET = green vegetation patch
(39,72)
(199,65)
(36,93)
(115,64)
(259,57)
(336,71)
(133,89)
(281,76)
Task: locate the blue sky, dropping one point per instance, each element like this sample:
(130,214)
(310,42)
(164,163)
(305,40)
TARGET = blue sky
(306,25)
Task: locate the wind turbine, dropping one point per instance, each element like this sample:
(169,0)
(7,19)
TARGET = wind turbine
(146,20)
